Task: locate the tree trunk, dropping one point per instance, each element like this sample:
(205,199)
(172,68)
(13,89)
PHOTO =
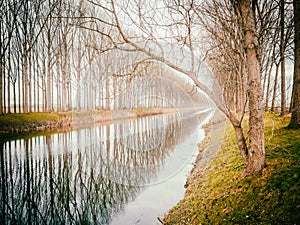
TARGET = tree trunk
(295,120)
(44,98)
(275,88)
(254,158)
(89,86)
(268,88)
(34,75)
(25,83)
(107,96)
(282,56)
(69,87)
(19,92)
(3,86)
(8,91)
(37,83)
(1,77)
(86,99)
(15,97)
(64,77)
(8,83)
(78,89)
(58,101)
(78,77)
(48,87)
(292,97)
(114,92)
(241,141)
(29,82)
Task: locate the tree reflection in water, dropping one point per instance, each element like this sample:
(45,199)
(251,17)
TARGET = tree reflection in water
(85,176)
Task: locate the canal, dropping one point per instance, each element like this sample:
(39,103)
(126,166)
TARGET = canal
(120,172)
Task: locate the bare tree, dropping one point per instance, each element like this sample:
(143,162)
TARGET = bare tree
(295,120)
(275,87)
(225,52)
(78,53)
(282,54)
(50,30)
(147,39)
(254,156)
(30,24)
(8,12)
(65,12)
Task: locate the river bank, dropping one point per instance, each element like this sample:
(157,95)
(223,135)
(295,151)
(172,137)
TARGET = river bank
(216,193)
(43,121)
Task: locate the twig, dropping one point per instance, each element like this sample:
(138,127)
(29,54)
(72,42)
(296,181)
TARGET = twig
(160,220)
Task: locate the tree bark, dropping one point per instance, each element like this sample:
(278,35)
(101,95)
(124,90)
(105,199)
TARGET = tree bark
(37,83)
(1,101)
(254,158)
(25,82)
(268,89)
(34,75)
(8,84)
(295,119)
(69,88)
(58,92)
(282,56)
(3,86)
(15,97)
(48,87)
(64,76)
(275,88)
(107,95)
(19,91)
(29,82)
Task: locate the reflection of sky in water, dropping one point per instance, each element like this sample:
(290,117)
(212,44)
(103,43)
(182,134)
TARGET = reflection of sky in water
(168,187)
(92,174)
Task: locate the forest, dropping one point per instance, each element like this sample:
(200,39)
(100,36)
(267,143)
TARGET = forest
(52,50)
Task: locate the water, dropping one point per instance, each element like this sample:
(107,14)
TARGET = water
(124,172)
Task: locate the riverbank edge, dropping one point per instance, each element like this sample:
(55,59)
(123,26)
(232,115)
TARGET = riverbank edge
(216,193)
(43,121)
(40,122)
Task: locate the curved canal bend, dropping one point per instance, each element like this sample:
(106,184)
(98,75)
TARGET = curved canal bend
(123,172)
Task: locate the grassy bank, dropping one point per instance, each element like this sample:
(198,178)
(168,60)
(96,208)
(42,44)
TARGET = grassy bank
(218,195)
(43,121)
(39,121)
(21,118)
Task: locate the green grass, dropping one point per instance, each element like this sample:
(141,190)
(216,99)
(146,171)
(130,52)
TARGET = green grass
(20,125)
(219,195)
(28,118)
(21,119)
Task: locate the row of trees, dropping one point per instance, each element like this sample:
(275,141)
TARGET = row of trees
(226,50)
(246,40)
(35,54)
(53,49)
(241,34)
(58,56)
